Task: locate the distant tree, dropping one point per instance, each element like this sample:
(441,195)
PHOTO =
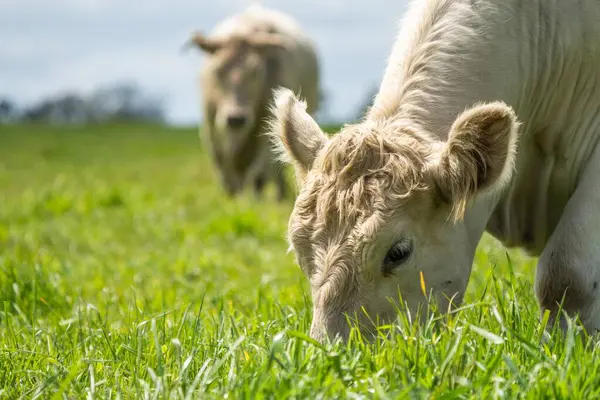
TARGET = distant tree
(125,102)
(70,108)
(8,110)
(38,112)
(122,102)
(64,108)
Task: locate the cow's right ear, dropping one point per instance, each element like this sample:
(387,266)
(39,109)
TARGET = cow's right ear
(204,43)
(296,135)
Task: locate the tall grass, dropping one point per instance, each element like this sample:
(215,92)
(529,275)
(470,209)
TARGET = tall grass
(126,273)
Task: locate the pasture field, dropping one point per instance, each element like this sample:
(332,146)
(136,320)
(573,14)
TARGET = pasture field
(126,273)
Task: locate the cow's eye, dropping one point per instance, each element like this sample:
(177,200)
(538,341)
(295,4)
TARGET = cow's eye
(397,255)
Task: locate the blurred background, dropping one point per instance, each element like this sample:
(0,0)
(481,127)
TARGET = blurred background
(78,61)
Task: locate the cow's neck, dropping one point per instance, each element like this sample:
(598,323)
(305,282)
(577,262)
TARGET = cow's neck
(451,62)
(448,59)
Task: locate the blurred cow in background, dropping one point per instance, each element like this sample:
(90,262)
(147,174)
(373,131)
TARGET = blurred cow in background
(249,55)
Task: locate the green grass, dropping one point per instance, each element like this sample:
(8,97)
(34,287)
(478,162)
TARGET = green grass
(126,273)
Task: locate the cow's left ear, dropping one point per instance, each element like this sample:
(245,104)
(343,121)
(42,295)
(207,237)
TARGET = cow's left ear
(479,154)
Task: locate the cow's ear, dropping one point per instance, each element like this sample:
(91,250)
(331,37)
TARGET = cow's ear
(204,43)
(295,134)
(479,154)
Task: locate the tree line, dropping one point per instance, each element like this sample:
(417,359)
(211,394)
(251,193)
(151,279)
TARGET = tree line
(118,102)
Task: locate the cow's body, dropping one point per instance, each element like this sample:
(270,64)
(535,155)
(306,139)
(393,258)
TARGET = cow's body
(489,111)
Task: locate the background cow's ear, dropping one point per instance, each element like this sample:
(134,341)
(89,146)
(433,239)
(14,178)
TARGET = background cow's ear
(479,154)
(296,135)
(204,43)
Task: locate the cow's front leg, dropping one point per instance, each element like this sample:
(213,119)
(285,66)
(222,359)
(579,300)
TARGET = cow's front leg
(568,270)
(259,185)
(282,188)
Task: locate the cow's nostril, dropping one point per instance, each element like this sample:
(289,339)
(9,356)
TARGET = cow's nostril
(236,121)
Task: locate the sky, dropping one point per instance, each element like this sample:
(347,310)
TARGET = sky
(47,47)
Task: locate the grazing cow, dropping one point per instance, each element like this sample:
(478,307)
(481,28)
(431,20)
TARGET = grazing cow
(249,55)
(487,118)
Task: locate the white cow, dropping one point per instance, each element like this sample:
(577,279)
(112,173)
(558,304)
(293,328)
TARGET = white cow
(488,118)
(249,54)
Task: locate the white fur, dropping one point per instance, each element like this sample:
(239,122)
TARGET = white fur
(542,59)
(292,61)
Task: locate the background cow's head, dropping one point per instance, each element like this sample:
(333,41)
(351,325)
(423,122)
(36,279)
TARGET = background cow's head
(237,81)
